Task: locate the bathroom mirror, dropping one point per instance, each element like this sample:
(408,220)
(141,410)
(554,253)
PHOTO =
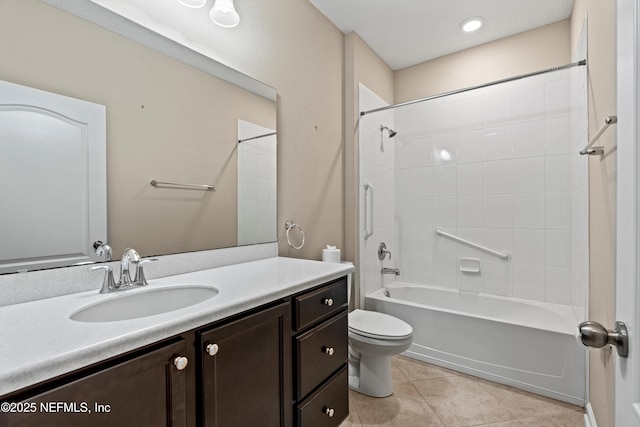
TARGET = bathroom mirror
(171,116)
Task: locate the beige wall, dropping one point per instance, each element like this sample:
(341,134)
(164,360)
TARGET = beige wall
(185,132)
(290,45)
(526,52)
(601,42)
(362,65)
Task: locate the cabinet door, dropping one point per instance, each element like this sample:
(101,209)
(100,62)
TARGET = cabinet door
(147,390)
(247,382)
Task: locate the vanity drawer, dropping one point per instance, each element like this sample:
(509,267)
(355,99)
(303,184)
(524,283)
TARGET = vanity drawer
(320,352)
(320,303)
(327,407)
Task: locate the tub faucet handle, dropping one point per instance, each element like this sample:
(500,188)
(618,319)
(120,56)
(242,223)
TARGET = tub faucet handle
(383,251)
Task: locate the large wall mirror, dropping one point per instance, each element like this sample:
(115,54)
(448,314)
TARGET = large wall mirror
(172,115)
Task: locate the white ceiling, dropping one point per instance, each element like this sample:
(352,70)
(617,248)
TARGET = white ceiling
(408,32)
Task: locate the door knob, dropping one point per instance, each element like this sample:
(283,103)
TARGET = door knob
(593,334)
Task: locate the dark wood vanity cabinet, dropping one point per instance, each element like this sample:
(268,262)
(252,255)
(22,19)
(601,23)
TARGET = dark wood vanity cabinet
(148,389)
(279,365)
(245,371)
(321,391)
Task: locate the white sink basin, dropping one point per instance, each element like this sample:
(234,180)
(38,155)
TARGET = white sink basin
(144,303)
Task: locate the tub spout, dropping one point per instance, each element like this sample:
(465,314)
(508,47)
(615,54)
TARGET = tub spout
(386,270)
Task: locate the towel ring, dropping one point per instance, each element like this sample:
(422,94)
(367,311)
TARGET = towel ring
(289,225)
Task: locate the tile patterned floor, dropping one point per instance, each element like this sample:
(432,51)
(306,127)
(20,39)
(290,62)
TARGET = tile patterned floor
(426,395)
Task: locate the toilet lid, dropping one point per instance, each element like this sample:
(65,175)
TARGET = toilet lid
(378,325)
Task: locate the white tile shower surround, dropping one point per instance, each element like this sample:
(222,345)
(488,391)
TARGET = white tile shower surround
(498,166)
(256,185)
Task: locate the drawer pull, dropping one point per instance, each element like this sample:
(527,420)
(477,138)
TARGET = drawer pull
(212,349)
(180,362)
(328,411)
(329,350)
(328,301)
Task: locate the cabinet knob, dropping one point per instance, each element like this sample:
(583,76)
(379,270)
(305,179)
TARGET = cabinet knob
(328,301)
(212,349)
(329,350)
(180,362)
(328,411)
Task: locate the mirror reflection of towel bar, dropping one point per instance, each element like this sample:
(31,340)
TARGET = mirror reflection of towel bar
(240,141)
(205,187)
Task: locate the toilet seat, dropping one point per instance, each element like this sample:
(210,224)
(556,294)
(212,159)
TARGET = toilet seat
(372,324)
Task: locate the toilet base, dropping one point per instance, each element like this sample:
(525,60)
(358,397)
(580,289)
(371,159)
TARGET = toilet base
(371,376)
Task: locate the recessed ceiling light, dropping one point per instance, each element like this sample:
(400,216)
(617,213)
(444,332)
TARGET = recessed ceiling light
(472,24)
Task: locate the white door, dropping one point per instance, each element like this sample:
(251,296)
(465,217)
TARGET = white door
(52,179)
(628,221)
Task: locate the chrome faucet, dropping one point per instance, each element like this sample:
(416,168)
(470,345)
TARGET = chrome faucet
(386,270)
(130,256)
(383,251)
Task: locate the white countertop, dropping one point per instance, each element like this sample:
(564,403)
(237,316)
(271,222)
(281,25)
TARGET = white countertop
(39,341)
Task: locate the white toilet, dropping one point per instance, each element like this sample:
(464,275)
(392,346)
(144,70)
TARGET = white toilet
(373,338)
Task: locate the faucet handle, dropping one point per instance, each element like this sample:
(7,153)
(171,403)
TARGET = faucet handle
(108,284)
(383,251)
(139,278)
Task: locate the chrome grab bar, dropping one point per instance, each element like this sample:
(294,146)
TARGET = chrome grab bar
(502,255)
(368,232)
(609,120)
(205,187)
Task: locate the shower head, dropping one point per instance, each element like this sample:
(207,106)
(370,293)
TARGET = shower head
(392,132)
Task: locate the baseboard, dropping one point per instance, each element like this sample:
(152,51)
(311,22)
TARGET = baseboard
(589,417)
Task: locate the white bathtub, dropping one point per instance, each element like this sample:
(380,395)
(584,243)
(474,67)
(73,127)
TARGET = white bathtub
(524,344)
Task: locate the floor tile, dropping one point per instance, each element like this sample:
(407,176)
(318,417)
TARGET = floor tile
(523,404)
(405,408)
(429,396)
(417,370)
(353,420)
(573,419)
(460,401)
(397,373)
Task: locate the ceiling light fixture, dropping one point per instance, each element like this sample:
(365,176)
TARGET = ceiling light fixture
(224,14)
(193,3)
(472,24)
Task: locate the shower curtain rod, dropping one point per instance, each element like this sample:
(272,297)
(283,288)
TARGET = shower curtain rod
(453,92)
